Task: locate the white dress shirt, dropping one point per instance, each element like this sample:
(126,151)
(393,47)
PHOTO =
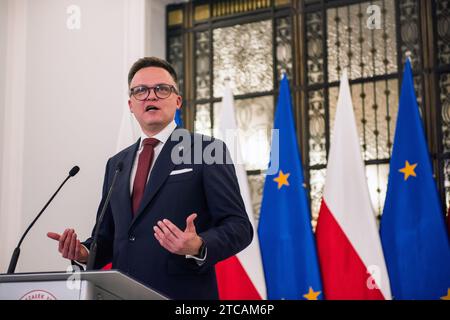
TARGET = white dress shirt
(162,136)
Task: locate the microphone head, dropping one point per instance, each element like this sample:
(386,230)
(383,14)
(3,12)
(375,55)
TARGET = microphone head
(74,171)
(119,166)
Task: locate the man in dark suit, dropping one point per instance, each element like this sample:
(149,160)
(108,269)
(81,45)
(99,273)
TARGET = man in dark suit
(169,221)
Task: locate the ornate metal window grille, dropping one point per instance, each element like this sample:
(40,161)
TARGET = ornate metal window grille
(253,41)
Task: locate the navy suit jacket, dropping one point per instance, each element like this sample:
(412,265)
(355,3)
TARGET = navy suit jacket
(210,190)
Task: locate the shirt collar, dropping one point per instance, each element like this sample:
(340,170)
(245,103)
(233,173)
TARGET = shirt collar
(162,136)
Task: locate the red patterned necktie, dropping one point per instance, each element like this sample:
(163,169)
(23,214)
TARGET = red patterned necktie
(144,163)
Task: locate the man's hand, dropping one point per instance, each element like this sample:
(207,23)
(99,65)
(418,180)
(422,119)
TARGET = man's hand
(185,242)
(69,245)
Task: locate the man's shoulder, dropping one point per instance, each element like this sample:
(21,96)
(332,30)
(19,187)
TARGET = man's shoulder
(122,153)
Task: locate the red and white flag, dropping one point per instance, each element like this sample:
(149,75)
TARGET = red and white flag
(241,276)
(349,248)
(129,130)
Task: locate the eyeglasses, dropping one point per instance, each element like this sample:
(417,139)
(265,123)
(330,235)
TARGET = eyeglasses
(162,91)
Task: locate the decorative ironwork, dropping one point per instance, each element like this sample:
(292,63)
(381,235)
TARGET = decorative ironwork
(442,14)
(444,86)
(256,185)
(352,45)
(243,53)
(284,47)
(336,36)
(202,71)
(316,181)
(443,31)
(409,31)
(375,106)
(225,7)
(175,54)
(317,136)
(314,54)
(418,90)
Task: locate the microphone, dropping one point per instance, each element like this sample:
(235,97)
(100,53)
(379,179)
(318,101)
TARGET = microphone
(93,248)
(16,253)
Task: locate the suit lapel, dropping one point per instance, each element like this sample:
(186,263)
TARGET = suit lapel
(123,183)
(159,173)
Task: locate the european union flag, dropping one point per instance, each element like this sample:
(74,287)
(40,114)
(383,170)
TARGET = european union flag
(415,242)
(286,239)
(178,120)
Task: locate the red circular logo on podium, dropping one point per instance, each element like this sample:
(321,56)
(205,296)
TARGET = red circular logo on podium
(38,295)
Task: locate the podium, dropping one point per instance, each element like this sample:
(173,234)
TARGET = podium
(85,285)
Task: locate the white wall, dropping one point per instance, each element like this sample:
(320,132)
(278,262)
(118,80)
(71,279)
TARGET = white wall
(74,96)
(3,24)
(156,36)
(13,125)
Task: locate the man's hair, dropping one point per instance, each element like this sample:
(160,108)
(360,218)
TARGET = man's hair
(151,62)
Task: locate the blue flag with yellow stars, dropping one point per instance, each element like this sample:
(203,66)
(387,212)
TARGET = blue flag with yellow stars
(286,239)
(178,120)
(415,241)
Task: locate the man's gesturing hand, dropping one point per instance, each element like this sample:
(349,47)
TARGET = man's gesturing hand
(69,246)
(185,242)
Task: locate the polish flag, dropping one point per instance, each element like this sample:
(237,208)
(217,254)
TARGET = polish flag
(349,248)
(129,130)
(240,277)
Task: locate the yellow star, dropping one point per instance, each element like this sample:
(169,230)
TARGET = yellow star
(408,170)
(282,179)
(312,295)
(447,297)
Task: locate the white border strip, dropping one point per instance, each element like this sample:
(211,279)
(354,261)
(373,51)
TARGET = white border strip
(13,130)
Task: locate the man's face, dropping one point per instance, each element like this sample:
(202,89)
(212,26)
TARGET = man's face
(154,113)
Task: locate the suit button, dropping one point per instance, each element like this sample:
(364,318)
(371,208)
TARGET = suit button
(132,238)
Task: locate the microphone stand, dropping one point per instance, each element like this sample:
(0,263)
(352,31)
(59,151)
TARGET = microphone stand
(16,253)
(93,247)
